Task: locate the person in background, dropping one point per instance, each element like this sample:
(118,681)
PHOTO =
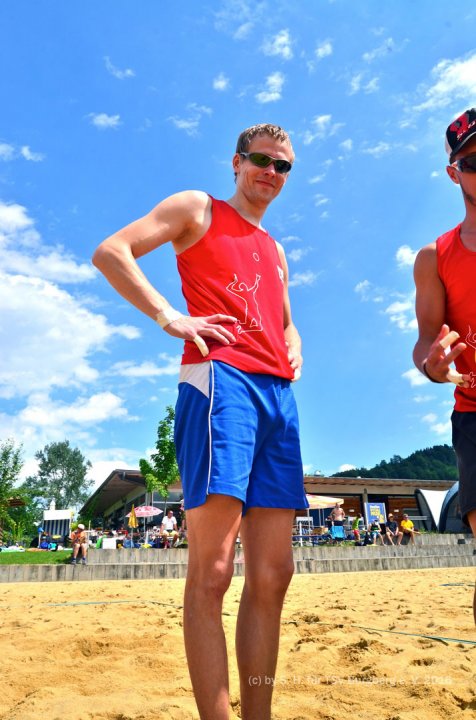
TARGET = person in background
(446,303)
(392,532)
(408,528)
(79,541)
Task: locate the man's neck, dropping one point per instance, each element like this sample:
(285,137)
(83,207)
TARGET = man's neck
(247,210)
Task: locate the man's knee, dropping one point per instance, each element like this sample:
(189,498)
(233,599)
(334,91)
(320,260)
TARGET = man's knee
(271,581)
(213,580)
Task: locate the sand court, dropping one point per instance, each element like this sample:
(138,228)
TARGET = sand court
(392,645)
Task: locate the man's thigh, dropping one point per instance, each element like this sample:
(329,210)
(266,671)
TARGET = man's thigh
(464,443)
(215,430)
(277,477)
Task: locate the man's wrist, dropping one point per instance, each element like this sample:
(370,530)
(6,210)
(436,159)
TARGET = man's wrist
(167,316)
(427,374)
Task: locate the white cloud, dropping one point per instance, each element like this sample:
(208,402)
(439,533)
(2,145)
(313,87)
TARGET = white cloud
(238,17)
(7,152)
(362,288)
(355,83)
(304,278)
(13,218)
(401,313)
(280,44)
(290,238)
(221,82)
(324,49)
(442,428)
(369,292)
(148,369)
(322,127)
(382,50)
(372,86)
(405,256)
(435,174)
(55,335)
(42,412)
(415,377)
(30,155)
(316,179)
(242,32)
(119,74)
(345,467)
(378,150)
(23,252)
(453,80)
(320,199)
(430,418)
(104,121)
(274,85)
(123,458)
(297,254)
(191,124)
(50,265)
(346,145)
(423,398)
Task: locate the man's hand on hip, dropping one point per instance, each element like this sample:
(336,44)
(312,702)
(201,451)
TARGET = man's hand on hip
(195,329)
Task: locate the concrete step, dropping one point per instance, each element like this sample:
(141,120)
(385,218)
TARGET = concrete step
(305,562)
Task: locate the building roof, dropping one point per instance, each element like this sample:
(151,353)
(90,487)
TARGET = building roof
(317,484)
(115,487)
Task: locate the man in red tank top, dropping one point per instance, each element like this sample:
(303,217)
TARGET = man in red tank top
(445,274)
(241,346)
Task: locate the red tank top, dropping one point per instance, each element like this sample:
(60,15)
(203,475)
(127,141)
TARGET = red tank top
(235,269)
(457,271)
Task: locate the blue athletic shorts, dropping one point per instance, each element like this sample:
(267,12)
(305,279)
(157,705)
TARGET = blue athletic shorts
(237,434)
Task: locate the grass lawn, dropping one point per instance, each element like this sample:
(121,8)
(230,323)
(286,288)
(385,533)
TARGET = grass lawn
(40,557)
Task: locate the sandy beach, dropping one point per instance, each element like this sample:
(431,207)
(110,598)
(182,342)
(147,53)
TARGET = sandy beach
(118,654)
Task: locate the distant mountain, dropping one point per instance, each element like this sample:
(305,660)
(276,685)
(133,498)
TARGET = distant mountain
(434,463)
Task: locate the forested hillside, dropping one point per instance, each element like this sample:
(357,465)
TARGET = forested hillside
(435,463)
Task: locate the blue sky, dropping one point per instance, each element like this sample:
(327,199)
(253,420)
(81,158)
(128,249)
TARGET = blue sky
(108,107)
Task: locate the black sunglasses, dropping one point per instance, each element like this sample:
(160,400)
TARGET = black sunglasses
(263,161)
(466,164)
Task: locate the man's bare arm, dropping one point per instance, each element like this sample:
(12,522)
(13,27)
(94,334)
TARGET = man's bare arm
(291,335)
(429,353)
(181,219)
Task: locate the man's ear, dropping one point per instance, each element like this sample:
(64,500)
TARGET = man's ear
(236,162)
(453,174)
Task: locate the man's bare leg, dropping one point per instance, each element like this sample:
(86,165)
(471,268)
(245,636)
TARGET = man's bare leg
(212,531)
(266,537)
(472,523)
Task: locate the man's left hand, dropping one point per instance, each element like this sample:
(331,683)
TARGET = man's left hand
(295,360)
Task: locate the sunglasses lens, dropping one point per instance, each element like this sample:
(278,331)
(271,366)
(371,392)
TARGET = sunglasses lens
(282,166)
(261,160)
(467,164)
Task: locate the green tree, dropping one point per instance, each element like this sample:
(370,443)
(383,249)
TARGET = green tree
(61,477)
(11,463)
(161,470)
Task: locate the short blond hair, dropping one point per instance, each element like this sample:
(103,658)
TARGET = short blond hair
(274,131)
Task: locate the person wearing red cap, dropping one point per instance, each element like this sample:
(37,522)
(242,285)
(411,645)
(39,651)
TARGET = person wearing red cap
(446,311)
